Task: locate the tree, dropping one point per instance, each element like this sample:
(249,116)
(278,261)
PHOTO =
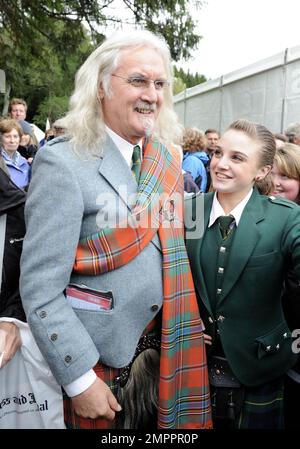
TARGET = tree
(184,80)
(27,20)
(43,43)
(42,75)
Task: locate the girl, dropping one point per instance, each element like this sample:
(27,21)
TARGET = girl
(238,269)
(286,183)
(286,172)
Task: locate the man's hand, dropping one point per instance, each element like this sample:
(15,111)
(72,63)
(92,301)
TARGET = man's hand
(97,401)
(10,339)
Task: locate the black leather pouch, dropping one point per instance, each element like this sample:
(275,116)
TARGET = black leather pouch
(227,393)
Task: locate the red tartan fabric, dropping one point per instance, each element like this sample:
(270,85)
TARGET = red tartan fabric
(74,421)
(184,401)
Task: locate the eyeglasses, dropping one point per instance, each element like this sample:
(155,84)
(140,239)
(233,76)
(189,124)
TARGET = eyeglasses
(144,83)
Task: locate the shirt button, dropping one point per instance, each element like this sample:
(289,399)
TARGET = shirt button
(68,359)
(43,314)
(154,308)
(221,270)
(54,337)
(219,291)
(222,249)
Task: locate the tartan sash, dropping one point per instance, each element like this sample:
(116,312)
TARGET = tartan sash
(183,388)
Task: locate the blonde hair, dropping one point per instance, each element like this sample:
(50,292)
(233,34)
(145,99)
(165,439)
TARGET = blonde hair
(84,122)
(193,140)
(287,160)
(14,101)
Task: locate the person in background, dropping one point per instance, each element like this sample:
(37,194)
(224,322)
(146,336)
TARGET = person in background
(17,109)
(213,137)
(99,322)
(12,200)
(238,265)
(286,173)
(280,140)
(10,138)
(194,156)
(28,144)
(286,181)
(293,133)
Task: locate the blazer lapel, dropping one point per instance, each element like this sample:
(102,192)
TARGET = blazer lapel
(115,170)
(244,242)
(196,245)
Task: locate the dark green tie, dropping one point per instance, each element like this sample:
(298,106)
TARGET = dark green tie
(136,163)
(225,223)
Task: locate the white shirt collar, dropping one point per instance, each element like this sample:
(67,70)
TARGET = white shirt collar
(217,209)
(125,148)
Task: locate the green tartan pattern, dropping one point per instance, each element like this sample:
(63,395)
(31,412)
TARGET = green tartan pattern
(263,407)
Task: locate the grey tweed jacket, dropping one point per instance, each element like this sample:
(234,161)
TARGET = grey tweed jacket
(69,197)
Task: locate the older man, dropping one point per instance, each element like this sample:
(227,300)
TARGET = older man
(105,275)
(293,133)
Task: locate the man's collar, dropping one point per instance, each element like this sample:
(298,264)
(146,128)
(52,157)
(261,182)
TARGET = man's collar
(217,209)
(125,147)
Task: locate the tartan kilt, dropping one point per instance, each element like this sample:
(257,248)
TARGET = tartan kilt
(263,407)
(107,374)
(73,421)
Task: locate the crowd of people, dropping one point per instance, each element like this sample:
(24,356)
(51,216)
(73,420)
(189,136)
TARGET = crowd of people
(144,322)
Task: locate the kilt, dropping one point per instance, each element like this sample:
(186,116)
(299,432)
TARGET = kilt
(263,407)
(108,375)
(73,421)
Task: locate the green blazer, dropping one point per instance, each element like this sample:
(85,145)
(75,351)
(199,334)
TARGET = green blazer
(255,337)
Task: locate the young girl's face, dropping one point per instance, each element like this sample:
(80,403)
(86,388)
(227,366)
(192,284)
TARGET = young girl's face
(284,186)
(236,163)
(25,139)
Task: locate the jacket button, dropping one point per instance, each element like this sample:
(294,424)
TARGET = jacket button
(154,308)
(43,314)
(54,337)
(210,320)
(68,359)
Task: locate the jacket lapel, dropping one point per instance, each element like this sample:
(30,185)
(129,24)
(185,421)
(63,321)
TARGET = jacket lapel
(195,246)
(244,242)
(115,170)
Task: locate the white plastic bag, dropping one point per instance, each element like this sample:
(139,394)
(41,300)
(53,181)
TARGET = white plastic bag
(30,397)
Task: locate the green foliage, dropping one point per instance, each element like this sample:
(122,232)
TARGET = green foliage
(43,43)
(178,86)
(39,77)
(184,80)
(52,107)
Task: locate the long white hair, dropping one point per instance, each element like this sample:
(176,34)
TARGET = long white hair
(84,122)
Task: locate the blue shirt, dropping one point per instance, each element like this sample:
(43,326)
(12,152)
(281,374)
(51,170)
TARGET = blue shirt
(18,168)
